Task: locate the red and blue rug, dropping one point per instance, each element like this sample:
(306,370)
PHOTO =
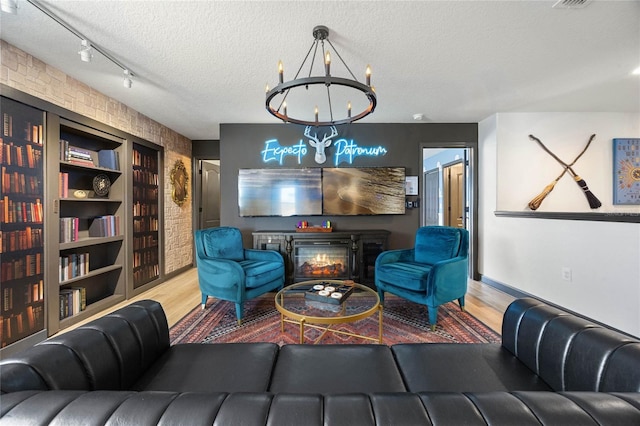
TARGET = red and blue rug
(403,322)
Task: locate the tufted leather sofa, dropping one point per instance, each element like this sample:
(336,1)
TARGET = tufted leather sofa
(552,368)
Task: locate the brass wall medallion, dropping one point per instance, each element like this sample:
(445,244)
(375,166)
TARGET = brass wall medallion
(179,180)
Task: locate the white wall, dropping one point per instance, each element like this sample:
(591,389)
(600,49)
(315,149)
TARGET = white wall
(529,253)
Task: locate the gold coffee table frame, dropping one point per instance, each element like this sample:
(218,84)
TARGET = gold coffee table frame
(325,323)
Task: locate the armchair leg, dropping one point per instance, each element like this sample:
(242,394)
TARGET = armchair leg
(381,296)
(461,303)
(204,300)
(433,316)
(239,312)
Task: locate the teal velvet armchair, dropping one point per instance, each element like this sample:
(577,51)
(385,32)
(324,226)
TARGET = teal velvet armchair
(230,272)
(432,273)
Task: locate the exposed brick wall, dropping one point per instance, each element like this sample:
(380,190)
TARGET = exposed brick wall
(30,75)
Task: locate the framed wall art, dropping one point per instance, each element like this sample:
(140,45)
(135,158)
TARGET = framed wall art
(626,171)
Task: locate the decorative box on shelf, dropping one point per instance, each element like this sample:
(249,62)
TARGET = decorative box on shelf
(303,226)
(330,292)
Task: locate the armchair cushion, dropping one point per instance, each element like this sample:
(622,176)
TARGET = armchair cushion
(407,275)
(434,244)
(258,272)
(224,243)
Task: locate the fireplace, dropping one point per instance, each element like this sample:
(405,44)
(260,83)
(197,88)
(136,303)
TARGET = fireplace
(321,260)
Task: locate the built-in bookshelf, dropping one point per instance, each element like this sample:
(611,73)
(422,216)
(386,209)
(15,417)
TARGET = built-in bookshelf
(91,192)
(67,239)
(146,218)
(22,289)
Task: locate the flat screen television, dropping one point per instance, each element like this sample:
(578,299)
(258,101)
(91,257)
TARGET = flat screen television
(363,191)
(280,192)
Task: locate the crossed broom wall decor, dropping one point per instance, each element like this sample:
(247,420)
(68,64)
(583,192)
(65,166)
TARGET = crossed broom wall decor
(594,203)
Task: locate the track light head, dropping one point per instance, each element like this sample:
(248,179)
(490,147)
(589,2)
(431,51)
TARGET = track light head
(85,51)
(128,81)
(9,6)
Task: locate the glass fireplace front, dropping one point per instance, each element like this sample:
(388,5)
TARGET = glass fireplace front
(321,259)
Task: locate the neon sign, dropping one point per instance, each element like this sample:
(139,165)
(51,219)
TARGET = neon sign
(274,152)
(346,151)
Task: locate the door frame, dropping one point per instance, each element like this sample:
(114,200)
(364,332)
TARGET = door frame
(471,195)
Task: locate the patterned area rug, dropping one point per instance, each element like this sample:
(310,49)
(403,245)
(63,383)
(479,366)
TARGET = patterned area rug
(403,322)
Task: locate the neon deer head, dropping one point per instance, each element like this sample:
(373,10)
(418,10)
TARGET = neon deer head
(319,145)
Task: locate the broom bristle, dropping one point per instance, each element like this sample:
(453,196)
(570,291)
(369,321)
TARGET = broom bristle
(593,201)
(537,201)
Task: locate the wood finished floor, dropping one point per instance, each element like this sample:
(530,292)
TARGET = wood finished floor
(180,294)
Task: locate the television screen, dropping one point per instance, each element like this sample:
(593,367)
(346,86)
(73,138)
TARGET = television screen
(280,192)
(363,191)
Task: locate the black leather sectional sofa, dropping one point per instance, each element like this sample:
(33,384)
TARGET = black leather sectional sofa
(552,368)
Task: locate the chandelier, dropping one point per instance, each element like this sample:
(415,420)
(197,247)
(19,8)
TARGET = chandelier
(309,90)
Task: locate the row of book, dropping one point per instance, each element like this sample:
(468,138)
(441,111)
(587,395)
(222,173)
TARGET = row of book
(145,194)
(19,183)
(145,258)
(147,241)
(28,265)
(31,132)
(145,161)
(73,265)
(106,158)
(105,226)
(145,177)
(14,327)
(18,155)
(145,209)
(146,274)
(145,224)
(24,239)
(69,228)
(72,301)
(32,292)
(20,211)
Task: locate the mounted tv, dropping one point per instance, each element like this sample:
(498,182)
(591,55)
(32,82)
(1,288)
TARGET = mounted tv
(363,191)
(280,192)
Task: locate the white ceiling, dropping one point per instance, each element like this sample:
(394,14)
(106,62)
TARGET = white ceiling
(202,63)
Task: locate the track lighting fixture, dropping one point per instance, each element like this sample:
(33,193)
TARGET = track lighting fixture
(85,51)
(127,79)
(9,6)
(86,48)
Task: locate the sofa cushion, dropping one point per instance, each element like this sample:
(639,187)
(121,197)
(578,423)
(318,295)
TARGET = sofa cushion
(259,272)
(471,367)
(408,275)
(336,369)
(223,367)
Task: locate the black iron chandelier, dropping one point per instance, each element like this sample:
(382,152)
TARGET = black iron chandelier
(301,89)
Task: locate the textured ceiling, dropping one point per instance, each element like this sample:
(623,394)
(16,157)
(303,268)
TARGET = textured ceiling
(202,63)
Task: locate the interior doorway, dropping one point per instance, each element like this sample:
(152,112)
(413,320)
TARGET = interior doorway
(208,194)
(448,193)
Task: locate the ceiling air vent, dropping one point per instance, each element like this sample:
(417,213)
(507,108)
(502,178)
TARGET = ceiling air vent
(571,4)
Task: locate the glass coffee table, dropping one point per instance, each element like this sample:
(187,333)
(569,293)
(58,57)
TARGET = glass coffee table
(297,309)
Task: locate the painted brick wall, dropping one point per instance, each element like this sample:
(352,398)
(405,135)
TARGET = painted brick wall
(23,72)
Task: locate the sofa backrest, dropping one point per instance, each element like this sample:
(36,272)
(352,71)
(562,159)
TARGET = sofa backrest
(568,352)
(109,353)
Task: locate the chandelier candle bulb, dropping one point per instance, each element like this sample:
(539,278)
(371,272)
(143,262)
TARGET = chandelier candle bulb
(367,74)
(266,88)
(349,109)
(284,105)
(316,111)
(327,63)
(280,72)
